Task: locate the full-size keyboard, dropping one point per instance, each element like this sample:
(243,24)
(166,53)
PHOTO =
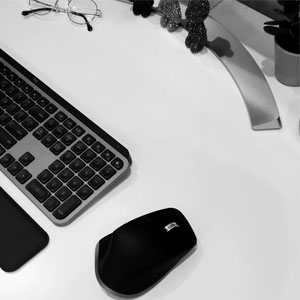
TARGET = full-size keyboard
(53,153)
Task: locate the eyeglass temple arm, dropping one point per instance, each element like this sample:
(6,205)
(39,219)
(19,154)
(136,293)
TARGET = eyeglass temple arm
(28,12)
(89,27)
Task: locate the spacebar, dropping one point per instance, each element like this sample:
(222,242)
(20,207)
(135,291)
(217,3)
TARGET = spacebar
(6,140)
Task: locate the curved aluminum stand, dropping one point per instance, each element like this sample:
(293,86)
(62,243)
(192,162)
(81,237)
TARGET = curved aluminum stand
(258,97)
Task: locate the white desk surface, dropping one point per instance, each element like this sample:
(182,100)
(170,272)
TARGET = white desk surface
(186,126)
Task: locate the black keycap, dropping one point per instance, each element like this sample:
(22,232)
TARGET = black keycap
(6,160)
(4,84)
(65,174)
(79,147)
(29,123)
(6,140)
(69,123)
(27,104)
(88,139)
(67,207)
(59,131)
(5,102)
(12,109)
(51,124)
(4,118)
(54,184)
(51,203)
(43,101)
(117,163)
(26,159)
(19,97)
(56,166)
(27,88)
(40,133)
(48,140)
(107,172)
(68,138)
(51,108)
(60,116)
(34,95)
(12,76)
(63,193)
(11,91)
(75,183)
(2,95)
(57,148)
(38,113)
(37,190)
(45,176)
(19,82)
(107,155)
(67,157)
(77,165)
(23,176)
(86,173)
(2,150)
(4,69)
(88,155)
(14,168)
(15,129)
(78,131)
(98,163)
(98,147)
(20,116)
(96,182)
(84,192)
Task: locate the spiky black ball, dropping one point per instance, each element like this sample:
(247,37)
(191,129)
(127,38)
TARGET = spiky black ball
(197,10)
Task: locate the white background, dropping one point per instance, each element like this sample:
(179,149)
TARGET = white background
(186,126)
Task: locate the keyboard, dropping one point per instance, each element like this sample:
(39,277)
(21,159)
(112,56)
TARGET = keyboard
(60,159)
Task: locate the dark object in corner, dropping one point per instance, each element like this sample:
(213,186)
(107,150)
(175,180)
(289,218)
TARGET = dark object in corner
(138,254)
(142,7)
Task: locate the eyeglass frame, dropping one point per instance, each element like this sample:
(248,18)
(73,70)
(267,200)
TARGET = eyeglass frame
(57,9)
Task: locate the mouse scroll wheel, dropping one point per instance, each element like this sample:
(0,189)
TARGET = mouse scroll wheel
(171,226)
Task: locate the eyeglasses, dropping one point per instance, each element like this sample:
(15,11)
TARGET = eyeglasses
(82,12)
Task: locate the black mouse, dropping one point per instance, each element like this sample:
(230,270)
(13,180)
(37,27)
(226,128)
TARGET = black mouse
(139,253)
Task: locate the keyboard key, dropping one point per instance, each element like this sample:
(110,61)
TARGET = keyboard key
(6,140)
(54,184)
(84,192)
(56,166)
(38,190)
(40,133)
(67,207)
(75,183)
(107,172)
(4,70)
(107,155)
(67,157)
(38,113)
(59,131)
(27,88)
(43,101)
(98,163)
(51,108)
(86,173)
(23,176)
(45,176)
(4,84)
(63,193)
(29,123)
(12,109)
(77,165)
(20,116)
(96,182)
(79,147)
(51,124)
(4,118)
(88,155)
(11,91)
(27,104)
(60,116)
(19,82)
(78,131)
(19,97)
(48,140)
(51,203)
(15,129)
(69,123)
(68,138)
(2,150)
(57,148)
(5,102)
(98,147)
(12,76)
(65,174)
(117,163)
(26,159)
(88,139)
(34,95)
(6,160)
(15,168)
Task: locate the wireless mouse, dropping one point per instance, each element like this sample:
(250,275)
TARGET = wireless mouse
(139,253)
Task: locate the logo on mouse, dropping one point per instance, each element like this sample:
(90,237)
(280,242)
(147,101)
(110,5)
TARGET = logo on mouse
(171,226)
